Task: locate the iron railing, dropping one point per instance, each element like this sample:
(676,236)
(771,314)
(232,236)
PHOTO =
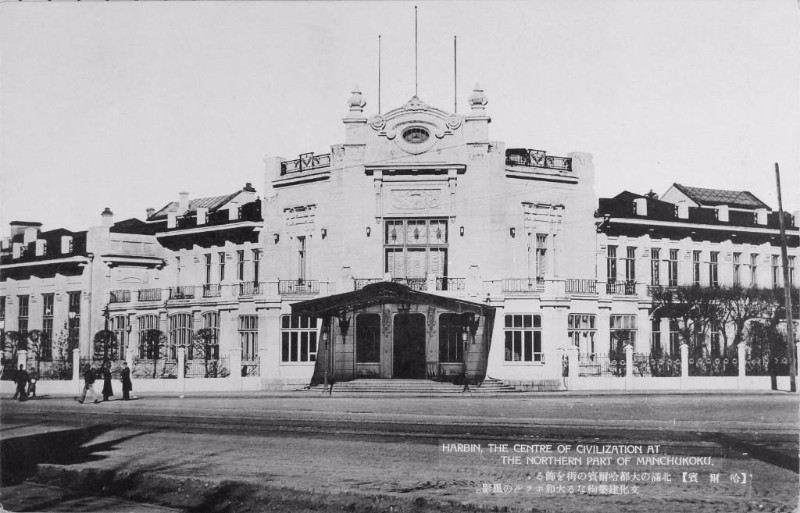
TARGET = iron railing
(181,292)
(418,284)
(249,288)
(627,287)
(536,158)
(251,368)
(298,287)
(445,283)
(601,365)
(212,290)
(199,368)
(579,285)
(360,283)
(149,295)
(306,162)
(119,296)
(523,284)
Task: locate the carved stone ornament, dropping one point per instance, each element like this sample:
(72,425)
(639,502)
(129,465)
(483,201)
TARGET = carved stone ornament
(356,101)
(416,104)
(477,98)
(454,121)
(416,199)
(377,122)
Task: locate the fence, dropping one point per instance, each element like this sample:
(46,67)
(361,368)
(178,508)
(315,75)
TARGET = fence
(713,366)
(55,369)
(601,365)
(765,365)
(207,368)
(147,369)
(251,368)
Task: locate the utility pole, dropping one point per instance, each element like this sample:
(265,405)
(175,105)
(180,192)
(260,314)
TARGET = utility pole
(787,289)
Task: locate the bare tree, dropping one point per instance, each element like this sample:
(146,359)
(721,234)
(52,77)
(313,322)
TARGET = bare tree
(105,345)
(205,347)
(154,343)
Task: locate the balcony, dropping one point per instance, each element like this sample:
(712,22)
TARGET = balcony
(580,286)
(119,296)
(445,283)
(298,287)
(306,162)
(536,158)
(249,289)
(418,284)
(360,283)
(627,287)
(149,295)
(523,284)
(212,290)
(181,292)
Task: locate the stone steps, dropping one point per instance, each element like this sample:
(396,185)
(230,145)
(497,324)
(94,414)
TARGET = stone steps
(415,388)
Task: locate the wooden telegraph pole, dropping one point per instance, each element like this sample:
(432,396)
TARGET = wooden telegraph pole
(787,289)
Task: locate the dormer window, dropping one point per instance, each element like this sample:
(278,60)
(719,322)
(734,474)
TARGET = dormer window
(416,135)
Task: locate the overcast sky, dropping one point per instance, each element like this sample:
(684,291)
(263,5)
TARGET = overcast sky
(124,104)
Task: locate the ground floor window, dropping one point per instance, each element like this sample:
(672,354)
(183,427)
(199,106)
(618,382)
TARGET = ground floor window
(149,337)
(119,325)
(248,336)
(582,331)
(298,338)
(623,332)
(655,336)
(206,343)
(523,338)
(451,347)
(180,333)
(368,338)
(674,338)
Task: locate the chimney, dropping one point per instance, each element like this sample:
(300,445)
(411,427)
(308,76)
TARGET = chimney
(682,210)
(16,250)
(107,217)
(150,211)
(722,213)
(20,227)
(172,220)
(31,233)
(41,247)
(641,206)
(202,215)
(761,216)
(66,244)
(249,187)
(183,204)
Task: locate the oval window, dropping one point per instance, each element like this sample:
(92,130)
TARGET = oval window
(415,135)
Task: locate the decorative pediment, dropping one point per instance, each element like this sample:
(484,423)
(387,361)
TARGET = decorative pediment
(416,126)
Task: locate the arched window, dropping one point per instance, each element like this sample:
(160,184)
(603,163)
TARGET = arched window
(210,323)
(368,338)
(146,322)
(180,333)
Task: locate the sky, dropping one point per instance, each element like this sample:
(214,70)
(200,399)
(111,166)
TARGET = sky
(125,104)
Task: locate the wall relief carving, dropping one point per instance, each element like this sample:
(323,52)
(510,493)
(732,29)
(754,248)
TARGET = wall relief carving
(416,199)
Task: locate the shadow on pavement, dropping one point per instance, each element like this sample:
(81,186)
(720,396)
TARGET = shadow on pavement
(758,452)
(22,454)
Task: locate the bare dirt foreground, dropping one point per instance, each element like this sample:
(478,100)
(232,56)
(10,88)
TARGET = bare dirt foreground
(275,454)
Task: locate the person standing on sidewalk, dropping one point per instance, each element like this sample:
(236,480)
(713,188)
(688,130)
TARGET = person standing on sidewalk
(33,377)
(22,384)
(127,386)
(88,386)
(106,373)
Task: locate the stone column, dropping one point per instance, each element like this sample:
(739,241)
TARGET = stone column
(628,366)
(797,358)
(76,368)
(742,355)
(684,360)
(181,370)
(572,362)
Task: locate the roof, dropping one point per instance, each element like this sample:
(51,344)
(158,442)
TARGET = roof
(211,203)
(136,226)
(711,197)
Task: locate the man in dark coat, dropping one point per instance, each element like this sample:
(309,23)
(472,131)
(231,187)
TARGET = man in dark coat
(106,373)
(88,379)
(22,383)
(127,386)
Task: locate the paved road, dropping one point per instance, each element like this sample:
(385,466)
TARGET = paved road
(396,447)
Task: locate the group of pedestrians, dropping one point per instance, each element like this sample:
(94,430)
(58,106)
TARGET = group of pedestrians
(91,375)
(26,384)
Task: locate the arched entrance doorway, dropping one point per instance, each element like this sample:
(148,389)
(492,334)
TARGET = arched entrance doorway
(409,346)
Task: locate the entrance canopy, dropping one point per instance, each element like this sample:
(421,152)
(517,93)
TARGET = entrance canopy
(384,292)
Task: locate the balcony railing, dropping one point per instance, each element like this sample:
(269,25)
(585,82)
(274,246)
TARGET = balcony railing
(249,288)
(298,287)
(360,283)
(306,162)
(536,158)
(181,292)
(580,286)
(627,288)
(119,296)
(445,283)
(149,295)
(523,284)
(418,284)
(212,290)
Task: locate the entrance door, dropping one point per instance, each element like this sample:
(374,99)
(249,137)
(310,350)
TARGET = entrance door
(409,346)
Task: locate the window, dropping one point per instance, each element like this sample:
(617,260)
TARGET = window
(655,336)
(208,268)
(753,269)
(119,325)
(674,338)
(301,259)
(791,271)
(541,256)
(180,333)
(655,269)
(623,332)
(248,337)
(776,271)
(451,347)
(210,323)
(298,339)
(582,331)
(715,347)
(46,343)
(672,268)
(22,316)
(713,269)
(737,269)
(695,268)
(611,264)
(630,265)
(523,337)
(415,248)
(240,265)
(368,338)
(221,260)
(148,350)
(415,135)
(256,265)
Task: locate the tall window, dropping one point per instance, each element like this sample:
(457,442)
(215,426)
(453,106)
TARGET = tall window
(523,337)
(695,268)
(415,248)
(582,331)
(211,323)
(301,259)
(46,343)
(713,269)
(208,268)
(737,269)
(180,333)
(451,347)
(753,269)
(630,264)
(791,271)
(221,267)
(672,268)
(674,339)
(776,271)
(298,338)
(623,332)
(119,325)
(368,338)
(74,318)
(248,337)
(655,266)
(256,265)
(611,264)
(541,256)
(147,322)
(240,265)
(22,316)
(655,336)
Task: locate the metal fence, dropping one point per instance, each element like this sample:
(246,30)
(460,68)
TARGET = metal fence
(766,365)
(251,368)
(656,366)
(55,369)
(207,368)
(161,369)
(601,365)
(713,366)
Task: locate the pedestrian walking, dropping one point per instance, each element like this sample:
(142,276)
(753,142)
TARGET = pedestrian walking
(127,386)
(89,377)
(22,384)
(33,377)
(106,373)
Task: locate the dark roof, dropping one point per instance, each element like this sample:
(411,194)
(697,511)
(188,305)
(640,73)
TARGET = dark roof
(136,226)
(211,203)
(25,223)
(712,197)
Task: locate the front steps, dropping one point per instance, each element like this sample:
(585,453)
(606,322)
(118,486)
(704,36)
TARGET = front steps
(414,388)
